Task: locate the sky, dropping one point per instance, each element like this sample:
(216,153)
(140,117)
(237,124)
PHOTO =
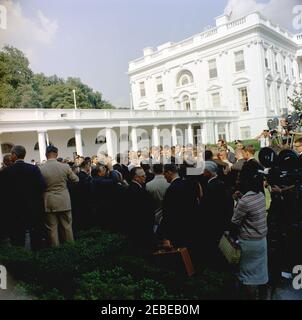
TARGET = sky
(95,39)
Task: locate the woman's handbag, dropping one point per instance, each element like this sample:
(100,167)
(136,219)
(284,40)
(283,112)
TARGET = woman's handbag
(230,249)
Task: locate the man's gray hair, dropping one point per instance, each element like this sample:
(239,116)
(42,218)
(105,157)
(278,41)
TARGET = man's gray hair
(211,166)
(19,151)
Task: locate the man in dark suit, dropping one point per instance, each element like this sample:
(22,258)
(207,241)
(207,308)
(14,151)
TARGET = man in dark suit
(178,209)
(23,197)
(250,169)
(140,212)
(218,210)
(103,196)
(81,198)
(122,162)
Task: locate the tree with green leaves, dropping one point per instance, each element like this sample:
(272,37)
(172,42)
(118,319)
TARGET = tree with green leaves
(296,102)
(21,88)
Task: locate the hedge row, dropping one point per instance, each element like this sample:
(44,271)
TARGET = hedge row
(100,266)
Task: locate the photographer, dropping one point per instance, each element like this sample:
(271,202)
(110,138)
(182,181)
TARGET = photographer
(285,213)
(264,138)
(285,231)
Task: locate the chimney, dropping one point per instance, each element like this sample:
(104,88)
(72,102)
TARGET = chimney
(221,20)
(148,51)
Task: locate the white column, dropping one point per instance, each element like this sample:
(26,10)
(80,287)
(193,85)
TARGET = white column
(109,142)
(216,132)
(134,139)
(42,145)
(203,134)
(78,141)
(155,136)
(190,134)
(230,131)
(227,132)
(1,155)
(174,135)
(47,139)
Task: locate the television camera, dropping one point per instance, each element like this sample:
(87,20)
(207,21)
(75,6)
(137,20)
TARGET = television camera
(283,169)
(290,126)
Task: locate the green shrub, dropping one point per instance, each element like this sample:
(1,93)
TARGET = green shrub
(18,261)
(106,285)
(117,284)
(148,289)
(31,291)
(97,267)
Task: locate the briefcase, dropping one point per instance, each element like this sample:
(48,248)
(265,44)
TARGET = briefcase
(177,260)
(230,249)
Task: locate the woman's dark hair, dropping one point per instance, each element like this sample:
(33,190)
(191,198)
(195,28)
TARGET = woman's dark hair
(254,183)
(208,155)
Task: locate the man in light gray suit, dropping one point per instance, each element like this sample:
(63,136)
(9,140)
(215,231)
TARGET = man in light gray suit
(157,189)
(56,197)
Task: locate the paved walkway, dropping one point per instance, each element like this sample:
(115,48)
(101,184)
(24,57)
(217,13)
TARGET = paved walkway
(287,292)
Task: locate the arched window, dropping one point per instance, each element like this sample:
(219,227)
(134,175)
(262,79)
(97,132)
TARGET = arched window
(71,142)
(184,78)
(36,147)
(6,147)
(144,136)
(100,139)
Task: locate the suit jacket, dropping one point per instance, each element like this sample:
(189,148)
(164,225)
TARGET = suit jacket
(22,187)
(139,214)
(179,208)
(157,189)
(56,175)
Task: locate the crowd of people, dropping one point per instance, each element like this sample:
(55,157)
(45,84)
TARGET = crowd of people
(149,196)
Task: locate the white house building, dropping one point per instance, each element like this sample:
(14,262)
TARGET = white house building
(247,67)
(222,83)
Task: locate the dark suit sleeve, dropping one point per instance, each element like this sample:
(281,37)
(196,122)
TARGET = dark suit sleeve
(40,182)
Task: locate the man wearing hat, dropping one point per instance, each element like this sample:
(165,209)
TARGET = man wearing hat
(56,197)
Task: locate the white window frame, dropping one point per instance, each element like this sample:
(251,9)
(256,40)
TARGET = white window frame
(222,131)
(242,104)
(142,89)
(186,103)
(276,64)
(216,94)
(213,72)
(182,78)
(159,85)
(243,135)
(239,64)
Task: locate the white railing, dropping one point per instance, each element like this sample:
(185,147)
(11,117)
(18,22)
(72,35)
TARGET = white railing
(63,115)
(236,23)
(210,33)
(221,31)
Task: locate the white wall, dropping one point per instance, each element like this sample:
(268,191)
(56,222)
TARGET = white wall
(189,55)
